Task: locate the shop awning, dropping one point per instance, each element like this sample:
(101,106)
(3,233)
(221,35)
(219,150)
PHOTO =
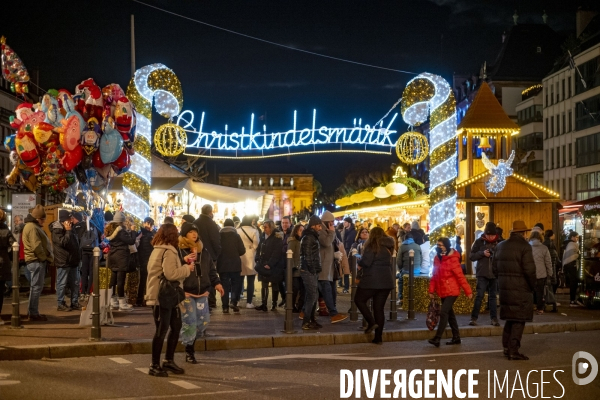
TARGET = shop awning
(216,193)
(158,184)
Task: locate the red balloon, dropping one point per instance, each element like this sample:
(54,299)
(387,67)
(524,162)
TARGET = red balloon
(122,161)
(97,161)
(72,158)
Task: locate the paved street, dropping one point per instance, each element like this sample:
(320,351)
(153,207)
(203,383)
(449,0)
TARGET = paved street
(300,373)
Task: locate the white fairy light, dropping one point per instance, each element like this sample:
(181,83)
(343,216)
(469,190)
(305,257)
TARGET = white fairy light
(498,173)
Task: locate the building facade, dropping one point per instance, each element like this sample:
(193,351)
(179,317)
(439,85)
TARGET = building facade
(529,144)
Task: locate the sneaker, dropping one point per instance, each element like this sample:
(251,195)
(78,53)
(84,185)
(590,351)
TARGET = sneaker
(338,318)
(235,308)
(580,303)
(225,310)
(398,302)
(573,304)
(125,307)
(309,327)
(495,322)
(75,306)
(473,322)
(249,305)
(345,291)
(316,324)
(63,307)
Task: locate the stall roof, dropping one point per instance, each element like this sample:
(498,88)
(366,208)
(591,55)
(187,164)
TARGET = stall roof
(378,205)
(216,193)
(486,115)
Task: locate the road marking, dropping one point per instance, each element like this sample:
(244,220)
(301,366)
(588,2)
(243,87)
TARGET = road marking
(120,360)
(143,370)
(349,357)
(185,385)
(6,383)
(234,391)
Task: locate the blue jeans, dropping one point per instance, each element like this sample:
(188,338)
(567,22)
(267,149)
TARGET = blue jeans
(311,294)
(37,270)
(327,293)
(194,319)
(64,277)
(490,285)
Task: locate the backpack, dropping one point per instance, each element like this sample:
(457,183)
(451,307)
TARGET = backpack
(89,240)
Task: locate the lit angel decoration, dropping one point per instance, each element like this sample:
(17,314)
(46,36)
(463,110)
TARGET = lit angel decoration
(498,173)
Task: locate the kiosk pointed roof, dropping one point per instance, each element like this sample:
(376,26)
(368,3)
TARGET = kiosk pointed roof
(486,115)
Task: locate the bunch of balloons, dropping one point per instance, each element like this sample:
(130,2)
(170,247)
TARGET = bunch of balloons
(87,136)
(13,69)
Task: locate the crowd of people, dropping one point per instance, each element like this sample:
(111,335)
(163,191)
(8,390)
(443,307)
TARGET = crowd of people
(202,258)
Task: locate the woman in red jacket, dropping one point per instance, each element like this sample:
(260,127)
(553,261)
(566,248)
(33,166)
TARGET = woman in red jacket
(446,281)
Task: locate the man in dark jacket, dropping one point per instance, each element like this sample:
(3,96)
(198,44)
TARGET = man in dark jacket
(286,228)
(349,234)
(310,267)
(269,259)
(66,259)
(229,265)
(209,234)
(79,227)
(483,251)
(144,249)
(514,266)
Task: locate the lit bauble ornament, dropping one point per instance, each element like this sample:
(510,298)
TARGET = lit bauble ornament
(367,196)
(396,189)
(380,192)
(356,198)
(170,140)
(412,147)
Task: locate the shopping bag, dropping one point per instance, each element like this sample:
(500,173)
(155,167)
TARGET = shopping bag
(549,294)
(85,319)
(433,314)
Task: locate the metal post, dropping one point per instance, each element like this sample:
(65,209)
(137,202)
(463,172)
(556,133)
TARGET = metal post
(288,324)
(15,321)
(96,332)
(411,284)
(393,305)
(353,309)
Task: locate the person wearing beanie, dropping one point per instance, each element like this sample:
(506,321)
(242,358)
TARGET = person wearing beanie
(37,250)
(229,265)
(209,234)
(310,267)
(236,221)
(349,234)
(187,218)
(144,249)
(197,286)
(118,259)
(108,217)
(65,244)
(417,233)
(482,252)
(270,265)
(6,241)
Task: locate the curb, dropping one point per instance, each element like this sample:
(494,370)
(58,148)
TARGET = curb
(93,349)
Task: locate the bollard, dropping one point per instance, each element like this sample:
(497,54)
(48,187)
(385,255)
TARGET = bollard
(411,284)
(353,309)
(15,321)
(393,305)
(96,333)
(288,323)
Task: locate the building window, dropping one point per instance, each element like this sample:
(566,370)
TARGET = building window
(563,89)
(564,192)
(551,94)
(547,130)
(564,124)
(547,160)
(546,96)
(588,150)
(552,159)
(570,120)
(569,84)
(570,154)
(557,95)
(564,157)
(530,142)
(589,73)
(570,188)
(586,111)
(552,126)
(588,185)
(558,157)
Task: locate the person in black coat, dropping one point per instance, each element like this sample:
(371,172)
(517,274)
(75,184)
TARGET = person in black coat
(209,234)
(269,265)
(6,241)
(229,265)
(144,249)
(65,244)
(349,234)
(378,279)
(514,266)
(310,267)
(118,258)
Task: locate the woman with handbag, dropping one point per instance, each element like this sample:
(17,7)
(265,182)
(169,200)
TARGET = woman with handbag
(377,280)
(166,275)
(196,315)
(269,265)
(251,239)
(446,281)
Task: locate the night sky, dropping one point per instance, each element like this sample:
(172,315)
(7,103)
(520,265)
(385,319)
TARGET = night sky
(229,76)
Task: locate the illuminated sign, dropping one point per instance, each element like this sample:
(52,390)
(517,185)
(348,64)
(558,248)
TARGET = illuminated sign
(258,144)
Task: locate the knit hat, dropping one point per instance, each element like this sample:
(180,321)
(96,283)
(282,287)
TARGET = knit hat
(314,220)
(327,216)
(187,227)
(78,216)
(108,216)
(415,225)
(64,215)
(490,228)
(168,220)
(119,217)
(149,220)
(188,218)
(236,218)
(348,220)
(228,222)
(539,225)
(38,212)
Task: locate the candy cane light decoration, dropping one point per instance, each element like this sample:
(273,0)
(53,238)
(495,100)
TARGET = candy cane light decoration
(431,93)
(152,83)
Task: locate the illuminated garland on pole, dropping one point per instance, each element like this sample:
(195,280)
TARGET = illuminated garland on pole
(151,83)
(425,93)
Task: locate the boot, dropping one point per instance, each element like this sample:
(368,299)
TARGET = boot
(189,354)
(114,303)
(435,341)
(265,298)
(170,365)
(123,306)
(156,370)
(454,340)
(274,305)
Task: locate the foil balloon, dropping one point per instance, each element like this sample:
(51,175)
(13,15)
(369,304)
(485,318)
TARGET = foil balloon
(70,133)
(97,161)
(88,99)
(28,153)
(68,106)
(72,158)
(9,142)
(13,69)
(80,174)
(111,143)
(121,162)
(96,181)
(44,135)
(123,117)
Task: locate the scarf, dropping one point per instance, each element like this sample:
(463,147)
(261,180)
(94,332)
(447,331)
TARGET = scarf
(185,243)
(494,239)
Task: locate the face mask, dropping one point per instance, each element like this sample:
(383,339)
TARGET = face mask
(439,251)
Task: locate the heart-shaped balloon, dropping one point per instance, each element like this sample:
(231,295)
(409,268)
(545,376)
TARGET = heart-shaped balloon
(72,158)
